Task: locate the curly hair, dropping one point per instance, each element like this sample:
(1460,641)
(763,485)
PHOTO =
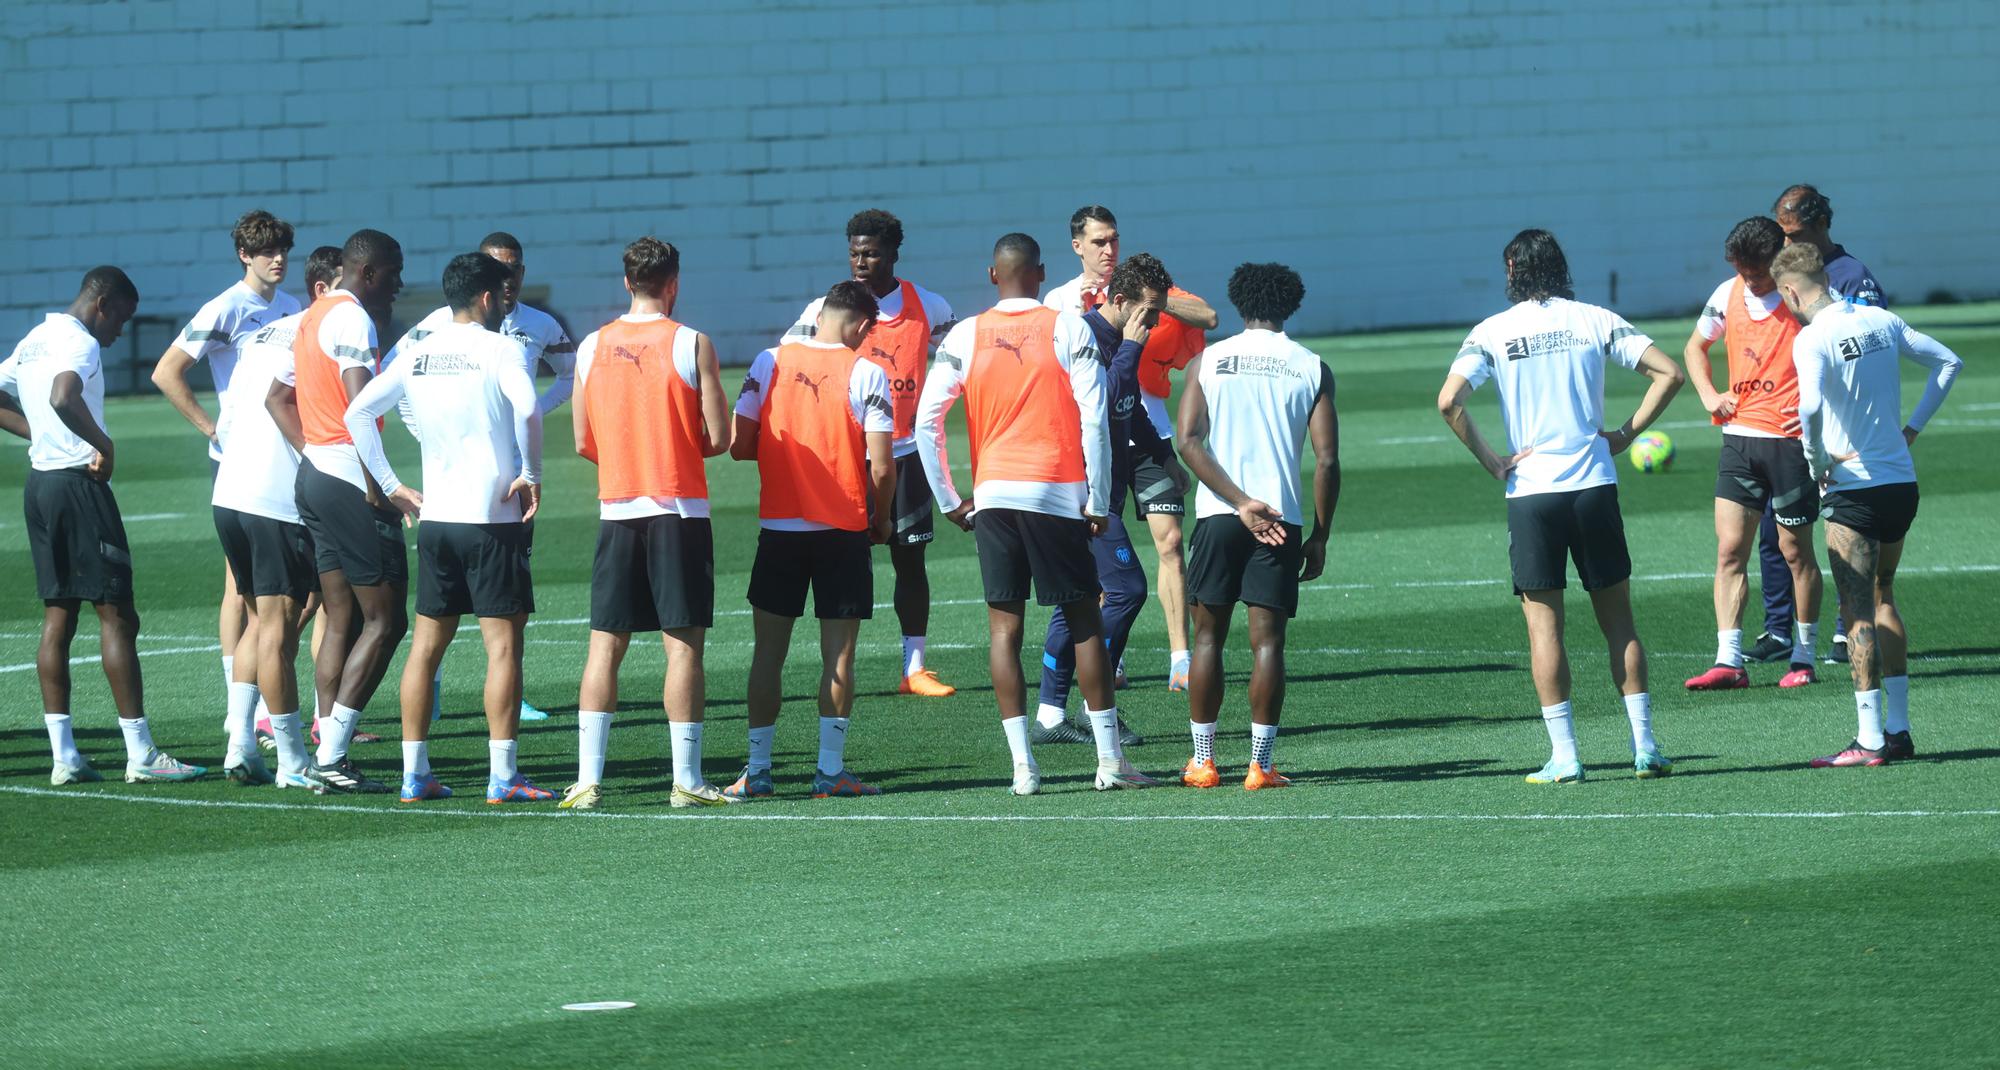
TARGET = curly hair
(260,233)
(876,223)
(1270,292)
(1540,269)
(1754,241)
(1140,272)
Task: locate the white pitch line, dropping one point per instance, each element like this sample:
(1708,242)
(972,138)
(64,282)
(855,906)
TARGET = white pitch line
(140,518)
(739,814)
(29,666)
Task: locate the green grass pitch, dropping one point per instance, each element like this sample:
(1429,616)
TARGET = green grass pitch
(1410,902)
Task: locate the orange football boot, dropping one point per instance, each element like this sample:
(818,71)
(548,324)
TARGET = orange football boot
(1200,774)
(1259,778)
(925,683)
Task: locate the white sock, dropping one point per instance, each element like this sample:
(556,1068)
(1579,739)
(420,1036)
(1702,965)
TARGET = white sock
(1204,740)
(138,738)
(1263,738)
(242,720)
(501,753)
(1868,705)
(1562,731)
(760,746)
(291,739)
(832,744)
(913,655)
(1048,716)
(416,757)
(1104,727)
(1805,641)
(228,680)
(1017,740)
(62,740)
(1639,711)
(1179,661)
(593,740)
(263,712)
(1729,647)
(1895,704)
(687,753)
(336,732)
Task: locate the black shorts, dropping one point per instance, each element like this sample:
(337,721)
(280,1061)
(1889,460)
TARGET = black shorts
(653,574)
(350,537)
(834,564)
(915,508)
(1016,546)
(1159,482)
(481,569)
(268,557)
(76,538)
(1582,525)
(1883,513)
(1226,564)
(1755,472)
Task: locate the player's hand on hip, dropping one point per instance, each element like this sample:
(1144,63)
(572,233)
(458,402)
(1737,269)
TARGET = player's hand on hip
(1315,561)
(1910,436)
(1098,524)
(1502,465)
(1618,438)
(962,516)
(409,501)
(530,495)
(100,468)
(1723,407)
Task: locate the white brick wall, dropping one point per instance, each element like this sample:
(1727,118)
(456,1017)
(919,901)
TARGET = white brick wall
(1386,149)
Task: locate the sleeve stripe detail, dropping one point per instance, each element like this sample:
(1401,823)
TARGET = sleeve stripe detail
(1477,351)
(206,336)
(1618,333)
(350,352)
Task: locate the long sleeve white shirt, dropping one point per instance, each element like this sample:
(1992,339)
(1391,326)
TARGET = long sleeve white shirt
(469,389)
(1851,393)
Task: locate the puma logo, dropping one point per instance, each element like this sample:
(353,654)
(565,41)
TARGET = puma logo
(811,384)
(888,355)
(631,353)
(1012,346)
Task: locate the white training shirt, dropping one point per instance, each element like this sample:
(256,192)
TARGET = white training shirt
(347,335)
(1068,297)
(867,398)
(1260,387)
(541,338)
(937,312)
(1714,321)
(1076,351)
(1547,358)
(219,329)
(690,373)
(1851,387)
(258,471)
(61,343)
(470,389)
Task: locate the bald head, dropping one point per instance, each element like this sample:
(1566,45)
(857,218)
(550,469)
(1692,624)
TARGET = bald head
(1017,266)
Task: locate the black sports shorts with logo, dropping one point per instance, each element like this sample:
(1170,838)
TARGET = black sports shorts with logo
(834,565)
(1755,471)
(1227,564)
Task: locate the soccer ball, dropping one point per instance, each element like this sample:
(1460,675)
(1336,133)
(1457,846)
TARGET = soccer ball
(1652,452)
